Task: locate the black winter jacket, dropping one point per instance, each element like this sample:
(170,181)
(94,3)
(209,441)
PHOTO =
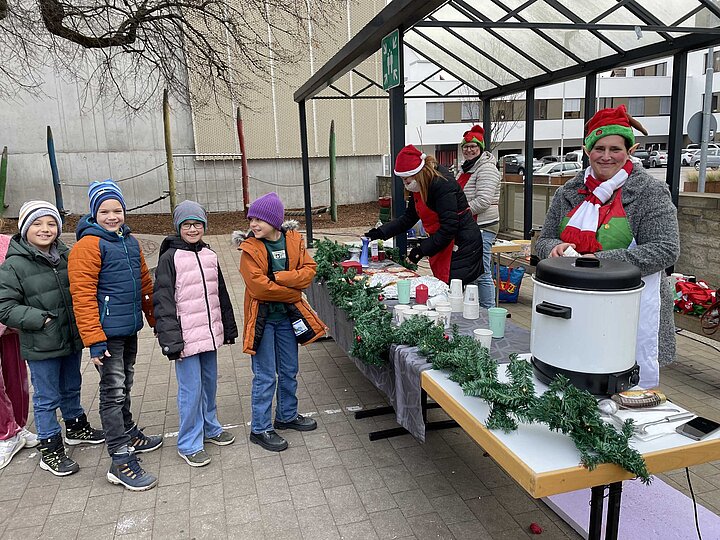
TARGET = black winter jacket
(446,198)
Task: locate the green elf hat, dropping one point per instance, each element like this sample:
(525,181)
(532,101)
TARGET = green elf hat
(615,121)
(476,134)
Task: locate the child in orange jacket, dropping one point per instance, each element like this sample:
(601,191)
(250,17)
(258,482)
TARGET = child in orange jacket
(276,268)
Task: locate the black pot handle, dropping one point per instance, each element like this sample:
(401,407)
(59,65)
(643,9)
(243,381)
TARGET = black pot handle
(554,310)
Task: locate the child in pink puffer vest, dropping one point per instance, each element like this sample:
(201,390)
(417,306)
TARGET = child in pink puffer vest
(194,317)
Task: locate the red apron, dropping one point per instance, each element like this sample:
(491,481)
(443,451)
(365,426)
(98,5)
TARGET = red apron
(440,262)
(463,179)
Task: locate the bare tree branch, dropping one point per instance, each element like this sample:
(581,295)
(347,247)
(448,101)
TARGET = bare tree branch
(129,48)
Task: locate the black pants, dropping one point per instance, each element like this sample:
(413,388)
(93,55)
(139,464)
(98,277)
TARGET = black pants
(116,380)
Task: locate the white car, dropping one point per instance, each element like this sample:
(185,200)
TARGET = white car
(555,169)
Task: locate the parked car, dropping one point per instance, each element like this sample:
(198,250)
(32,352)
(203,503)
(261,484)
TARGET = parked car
(515,164)
(713,159)
(556,169)
(575,155)
(658,158)
(551,159)
(686,155)
(643,156)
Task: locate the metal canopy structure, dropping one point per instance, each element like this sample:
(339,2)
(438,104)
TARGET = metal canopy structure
(499,47)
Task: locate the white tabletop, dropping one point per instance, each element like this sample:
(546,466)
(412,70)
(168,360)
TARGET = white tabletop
(546,462)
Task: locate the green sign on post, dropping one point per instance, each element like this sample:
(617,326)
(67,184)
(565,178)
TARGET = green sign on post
(391,60)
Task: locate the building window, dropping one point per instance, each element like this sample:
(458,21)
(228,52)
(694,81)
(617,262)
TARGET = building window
(572,108)
(656,70)
(665,106)
(716,61)
(618,72)
(605,103)
(541,109)
(636,106)
(470,111)
(435,113)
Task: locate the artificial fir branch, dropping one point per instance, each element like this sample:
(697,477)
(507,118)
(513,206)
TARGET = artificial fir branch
(562,407)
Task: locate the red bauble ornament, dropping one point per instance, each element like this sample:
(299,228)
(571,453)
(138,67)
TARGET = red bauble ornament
(446,337)
(535,528)
(381,297)
(358,339)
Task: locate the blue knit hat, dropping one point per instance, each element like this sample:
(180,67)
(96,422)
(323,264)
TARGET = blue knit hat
(99,192)
(188,210)
(269,208)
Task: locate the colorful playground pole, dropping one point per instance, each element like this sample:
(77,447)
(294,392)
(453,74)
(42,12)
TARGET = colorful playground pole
(55,174)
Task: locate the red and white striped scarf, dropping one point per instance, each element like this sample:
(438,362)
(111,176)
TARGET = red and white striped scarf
(584,218)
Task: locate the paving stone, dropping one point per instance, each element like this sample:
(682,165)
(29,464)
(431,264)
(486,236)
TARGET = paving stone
(355,458)
(279,520)
(172,526)
(300,473)
(491,514)
(101,510)
(138,500)
(397,479)
(173,498)
(298,454)
(22,534)
(377,499)
(208,526)
(333,477)
(12,486)
(366,478)
(241,510)
(206,500)
(22,516)
(317,523)
(413,503)
(470,529)
(38,496)
(62,525)
(99,532)
(430,526)
(272,490)
(362,530)
(238,482)
(390,524)
(307,495)
(345,504)
(325,457)
(70,500)
(268,466)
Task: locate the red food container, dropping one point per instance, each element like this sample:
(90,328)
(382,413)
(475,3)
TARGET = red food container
(346,265)
(421,294)
(385,202)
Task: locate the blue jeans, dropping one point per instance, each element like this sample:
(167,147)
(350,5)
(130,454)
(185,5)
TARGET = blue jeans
(197,388)
(277,354)
(56,383)
(116,380)
(486,286)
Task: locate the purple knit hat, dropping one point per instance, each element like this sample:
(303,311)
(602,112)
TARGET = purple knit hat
(269,208)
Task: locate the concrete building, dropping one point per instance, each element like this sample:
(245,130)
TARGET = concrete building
(96,139)
(645,89)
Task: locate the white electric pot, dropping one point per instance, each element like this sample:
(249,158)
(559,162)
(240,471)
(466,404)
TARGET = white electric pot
(585,321)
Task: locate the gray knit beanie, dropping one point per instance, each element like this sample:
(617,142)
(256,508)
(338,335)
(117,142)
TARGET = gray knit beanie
(188,210)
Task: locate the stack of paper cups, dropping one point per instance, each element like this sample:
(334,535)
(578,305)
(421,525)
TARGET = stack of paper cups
(456,303)
(471,307)
(456,287)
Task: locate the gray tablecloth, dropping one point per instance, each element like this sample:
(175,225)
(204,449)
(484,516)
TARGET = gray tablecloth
(399,380)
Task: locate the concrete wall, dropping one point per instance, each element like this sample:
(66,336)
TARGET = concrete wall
(103,141)
(699,218)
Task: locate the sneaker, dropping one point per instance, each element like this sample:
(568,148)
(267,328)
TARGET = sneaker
(198,459)
(269,441)
(31,440)
(142,443)
(10,447)
(54,458)
(125,470)
(79,431)
(223,439)
(300,424)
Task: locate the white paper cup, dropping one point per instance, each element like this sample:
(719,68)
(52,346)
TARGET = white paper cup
(432,315)
(456,303)
(436,301)
(471,311)
(483,336)
(456,288)
(444,313)
(398,313)
(471,294)
(420,309)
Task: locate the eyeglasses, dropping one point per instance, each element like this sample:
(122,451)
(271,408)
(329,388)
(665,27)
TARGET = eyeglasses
(470,147)
(187,225)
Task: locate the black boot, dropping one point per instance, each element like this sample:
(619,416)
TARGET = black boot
(79,431)
(54,458)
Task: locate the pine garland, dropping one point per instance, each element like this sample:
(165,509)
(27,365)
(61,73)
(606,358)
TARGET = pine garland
(563,407)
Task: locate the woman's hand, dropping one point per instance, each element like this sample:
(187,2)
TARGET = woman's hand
(374,234)
(559,250)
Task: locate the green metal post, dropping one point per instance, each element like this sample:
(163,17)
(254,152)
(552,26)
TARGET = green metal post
(3,180)
(331,153)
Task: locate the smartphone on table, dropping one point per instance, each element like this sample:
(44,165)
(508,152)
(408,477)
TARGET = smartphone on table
(698,428)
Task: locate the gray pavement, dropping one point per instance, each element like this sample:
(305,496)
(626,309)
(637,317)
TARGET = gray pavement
(330,483)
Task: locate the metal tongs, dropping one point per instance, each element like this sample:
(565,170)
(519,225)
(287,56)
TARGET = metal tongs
(641,429)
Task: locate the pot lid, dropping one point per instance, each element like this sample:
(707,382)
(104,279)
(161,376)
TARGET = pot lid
(588,273)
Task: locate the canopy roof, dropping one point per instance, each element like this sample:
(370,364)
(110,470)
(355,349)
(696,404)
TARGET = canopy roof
(499,47)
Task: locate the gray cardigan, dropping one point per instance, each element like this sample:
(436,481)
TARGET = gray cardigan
(653,220)
(483,189)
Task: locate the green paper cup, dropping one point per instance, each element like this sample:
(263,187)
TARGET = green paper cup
(496,319)
(403,288)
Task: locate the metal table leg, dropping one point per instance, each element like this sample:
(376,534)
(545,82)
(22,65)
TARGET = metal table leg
(612,522)
(596,510)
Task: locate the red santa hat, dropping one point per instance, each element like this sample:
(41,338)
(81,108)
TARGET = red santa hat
(409,161)
(613,121)
(476,134)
